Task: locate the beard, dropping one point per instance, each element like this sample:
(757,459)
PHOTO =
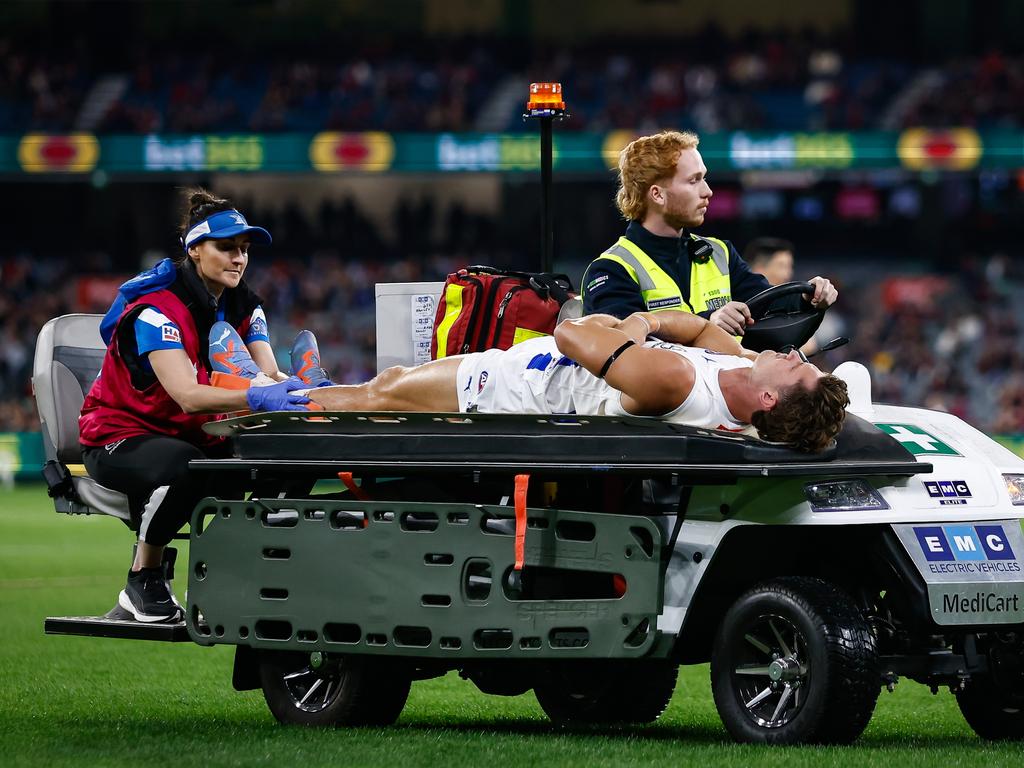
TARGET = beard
(679,220)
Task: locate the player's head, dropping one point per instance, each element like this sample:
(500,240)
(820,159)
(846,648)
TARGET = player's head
(800,404)
(653,160)
(215,239)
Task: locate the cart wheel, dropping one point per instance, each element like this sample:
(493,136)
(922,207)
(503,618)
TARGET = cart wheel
(794,661)
(995,713)
(582,693)
(320,690)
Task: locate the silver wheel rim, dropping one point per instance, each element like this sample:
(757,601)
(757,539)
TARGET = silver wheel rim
(313,690)
(771,671)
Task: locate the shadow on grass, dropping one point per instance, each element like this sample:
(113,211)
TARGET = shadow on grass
(695,734)
(245,728)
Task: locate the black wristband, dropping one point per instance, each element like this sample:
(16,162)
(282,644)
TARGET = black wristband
(613,356)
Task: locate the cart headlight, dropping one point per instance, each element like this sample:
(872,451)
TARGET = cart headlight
(843,496)
(1015,487)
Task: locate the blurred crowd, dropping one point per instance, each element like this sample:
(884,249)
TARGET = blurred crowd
(710,82)
(949,342)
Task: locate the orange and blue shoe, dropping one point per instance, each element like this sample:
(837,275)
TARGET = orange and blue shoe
(232,367)
(306,360)
(228,353)
(230,363)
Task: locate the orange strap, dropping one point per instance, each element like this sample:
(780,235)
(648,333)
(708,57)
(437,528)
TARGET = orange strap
(350,483)
(522,483)
(229,381)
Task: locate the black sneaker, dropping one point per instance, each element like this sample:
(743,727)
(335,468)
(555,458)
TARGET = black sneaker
(147,596)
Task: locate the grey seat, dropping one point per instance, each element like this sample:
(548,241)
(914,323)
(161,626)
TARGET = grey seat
(69,354)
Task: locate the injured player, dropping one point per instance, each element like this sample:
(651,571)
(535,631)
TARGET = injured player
(671,365)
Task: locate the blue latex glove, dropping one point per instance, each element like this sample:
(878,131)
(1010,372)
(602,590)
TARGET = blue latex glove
(278,397)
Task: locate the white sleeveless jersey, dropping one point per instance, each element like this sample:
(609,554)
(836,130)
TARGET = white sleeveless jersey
(534,377)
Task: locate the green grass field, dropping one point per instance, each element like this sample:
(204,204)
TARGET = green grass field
(97,702)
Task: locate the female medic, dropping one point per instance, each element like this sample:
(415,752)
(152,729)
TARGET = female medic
(142,420)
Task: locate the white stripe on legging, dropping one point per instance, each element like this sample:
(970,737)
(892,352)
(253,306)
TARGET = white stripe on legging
(156,498)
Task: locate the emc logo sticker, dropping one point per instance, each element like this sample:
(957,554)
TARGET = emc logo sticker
(948,491)
(964,542)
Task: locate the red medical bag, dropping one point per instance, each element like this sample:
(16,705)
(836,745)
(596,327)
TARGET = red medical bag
(486,308)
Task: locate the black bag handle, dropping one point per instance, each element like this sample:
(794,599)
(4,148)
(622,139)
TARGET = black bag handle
(555,285)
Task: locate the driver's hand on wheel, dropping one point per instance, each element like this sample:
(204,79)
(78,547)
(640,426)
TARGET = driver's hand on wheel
(734,318)
(825,294)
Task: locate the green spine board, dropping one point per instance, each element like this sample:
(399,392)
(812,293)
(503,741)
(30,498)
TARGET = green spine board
(375,577)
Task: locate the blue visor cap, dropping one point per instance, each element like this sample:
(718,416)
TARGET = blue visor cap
(225,224)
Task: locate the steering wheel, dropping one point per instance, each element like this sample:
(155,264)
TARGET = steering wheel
(776,329)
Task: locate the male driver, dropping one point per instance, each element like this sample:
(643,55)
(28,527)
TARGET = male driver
(602,365)
(659,264)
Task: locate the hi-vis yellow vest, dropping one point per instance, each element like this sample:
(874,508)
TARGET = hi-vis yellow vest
(709,282)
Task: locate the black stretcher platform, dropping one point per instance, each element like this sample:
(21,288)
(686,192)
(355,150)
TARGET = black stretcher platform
(324,443)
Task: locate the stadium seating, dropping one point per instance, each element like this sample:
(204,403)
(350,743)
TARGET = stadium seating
(775,81)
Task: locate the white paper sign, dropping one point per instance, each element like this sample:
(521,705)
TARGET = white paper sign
(422,317)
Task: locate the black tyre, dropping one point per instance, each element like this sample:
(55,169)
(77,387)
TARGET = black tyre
(995,713)
(602,693)
(794,661)
(317,690)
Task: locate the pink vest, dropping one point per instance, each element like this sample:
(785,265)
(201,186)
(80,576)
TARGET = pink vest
(114,409)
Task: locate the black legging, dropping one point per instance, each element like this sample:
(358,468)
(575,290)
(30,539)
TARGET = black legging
(152,471)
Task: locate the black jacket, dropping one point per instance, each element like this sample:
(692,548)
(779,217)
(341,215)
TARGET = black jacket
(609,289)
(239,304)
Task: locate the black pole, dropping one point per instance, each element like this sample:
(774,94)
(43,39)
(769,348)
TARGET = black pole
(547,231)
(546,104)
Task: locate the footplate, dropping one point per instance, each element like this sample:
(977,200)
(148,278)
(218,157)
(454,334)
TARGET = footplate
(422,579)
(125,628)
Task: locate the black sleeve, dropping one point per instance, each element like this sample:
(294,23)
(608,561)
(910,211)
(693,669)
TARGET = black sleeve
(745,284)
(142,376)
(608,289)
(239,303)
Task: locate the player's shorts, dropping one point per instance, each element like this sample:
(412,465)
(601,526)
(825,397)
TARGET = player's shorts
(523,379)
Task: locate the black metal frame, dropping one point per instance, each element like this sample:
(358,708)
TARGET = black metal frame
(325,443)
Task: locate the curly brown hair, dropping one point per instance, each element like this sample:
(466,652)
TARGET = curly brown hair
(808,418)
(646,161)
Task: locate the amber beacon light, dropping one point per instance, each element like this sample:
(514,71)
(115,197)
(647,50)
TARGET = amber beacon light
(545,100)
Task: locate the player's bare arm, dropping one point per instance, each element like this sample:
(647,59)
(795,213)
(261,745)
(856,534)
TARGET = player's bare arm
(676,327)
(652,381)
(693,331)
